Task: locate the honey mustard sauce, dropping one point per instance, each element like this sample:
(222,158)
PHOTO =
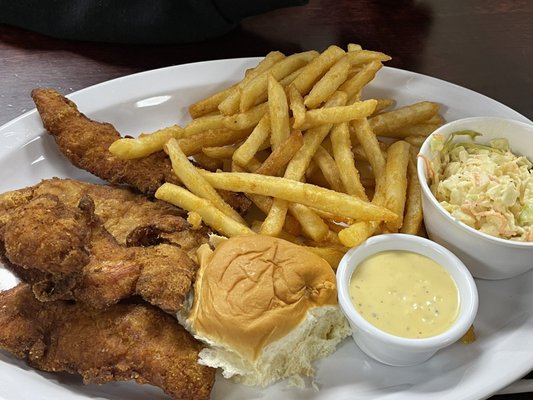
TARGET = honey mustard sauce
(405,294)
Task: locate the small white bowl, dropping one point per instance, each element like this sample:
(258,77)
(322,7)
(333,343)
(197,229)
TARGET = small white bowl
(395,350)
(486,256)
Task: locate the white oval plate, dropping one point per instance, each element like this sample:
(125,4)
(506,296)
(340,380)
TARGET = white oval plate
(502,353)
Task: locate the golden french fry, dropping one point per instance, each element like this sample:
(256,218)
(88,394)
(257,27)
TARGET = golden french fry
(357,233)
(275,219)
(365,56)
(329,169)
(316,68)
(328,84)
(244,154)
(247,119)
(209,104)
(194,219)
(256,89)
(337,115)
(353,86)
(372,149)
(312,225)
(413,208)
(354,47)
(278,109)
(211,215)
(423,129)
(396,173)
(382,105)
(415,141)
(299,192)
(332,255)
(230,105)
(195,182)
(145,144)
(279,158)
(344,158)
(297,167)
(390,122)
(208,163)
(469,336)
(219,152)
(211,138)
(204,123)
(296,104)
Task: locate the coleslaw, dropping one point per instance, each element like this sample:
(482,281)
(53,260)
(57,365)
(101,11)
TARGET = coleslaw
(485,186)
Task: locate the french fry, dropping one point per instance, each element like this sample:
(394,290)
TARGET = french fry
(329,169)
(316,68)
(209,104)
(312,225)
(413,208)
(396,178)
(390,123)
(328,84)
(423,129)
(195,182)
(332,255)
(247,119)
(469,336)
(353,86)
(204,123)
(145,144)
(278,159)
(230,105)
(208,163)
(382,105)
(211,215)
(372,149)
(354,47)
(296,105)
(275,219)
(337,115)
(194,219)
(244,154)
(344,158)
(220,152)
(278,109)
(256,89)
(365,56)
(299,192)
(214,137)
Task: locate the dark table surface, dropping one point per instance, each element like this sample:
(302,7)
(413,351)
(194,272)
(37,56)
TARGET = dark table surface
(483,45)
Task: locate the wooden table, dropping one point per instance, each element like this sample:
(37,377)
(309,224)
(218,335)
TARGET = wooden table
(484,45)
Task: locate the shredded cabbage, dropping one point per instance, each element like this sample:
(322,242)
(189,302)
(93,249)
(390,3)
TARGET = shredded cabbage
(486,187)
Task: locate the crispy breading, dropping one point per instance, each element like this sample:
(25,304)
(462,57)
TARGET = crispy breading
(131,218)
(132,341)
(66,253)
(86,144)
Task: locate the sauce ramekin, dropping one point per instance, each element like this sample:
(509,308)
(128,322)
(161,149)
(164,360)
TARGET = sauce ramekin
(395,350)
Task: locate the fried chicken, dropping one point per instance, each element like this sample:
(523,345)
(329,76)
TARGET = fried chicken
(123,342)
(132,219)
(66,253)
(86,142)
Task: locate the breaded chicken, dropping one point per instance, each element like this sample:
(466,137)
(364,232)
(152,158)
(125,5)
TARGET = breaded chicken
(132,219)
(66,253)
(86,144)
(123,342)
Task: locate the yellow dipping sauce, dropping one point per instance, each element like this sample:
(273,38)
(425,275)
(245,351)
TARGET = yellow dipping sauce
(405,294)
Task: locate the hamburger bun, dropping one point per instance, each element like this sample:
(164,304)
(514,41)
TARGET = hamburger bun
(266,307)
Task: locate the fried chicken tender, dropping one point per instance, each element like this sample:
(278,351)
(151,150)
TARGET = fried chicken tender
(132,219)
(66,253)
(123,342)
(86,144)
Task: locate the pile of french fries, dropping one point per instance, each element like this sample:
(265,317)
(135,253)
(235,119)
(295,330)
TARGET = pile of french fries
(324,167)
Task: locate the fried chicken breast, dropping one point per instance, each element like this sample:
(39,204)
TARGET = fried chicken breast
(86,144)
(132,219)
(132,341)
(66,253)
